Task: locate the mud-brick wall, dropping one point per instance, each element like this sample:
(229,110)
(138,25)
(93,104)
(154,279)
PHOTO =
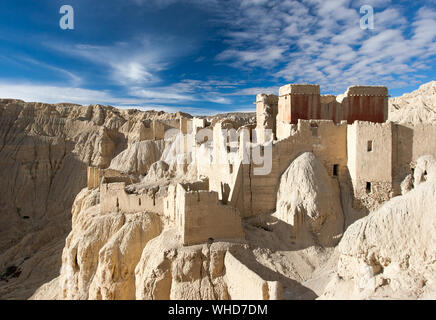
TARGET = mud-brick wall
(113,198)
(257,194)
(411,142)
(331,109)
(370,154)
(206,217)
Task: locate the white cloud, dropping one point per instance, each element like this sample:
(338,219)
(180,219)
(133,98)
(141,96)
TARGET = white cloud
(135,62)
(373,3)
(255,90)
(56,94)
(262,58)
(322,42)
(186,90)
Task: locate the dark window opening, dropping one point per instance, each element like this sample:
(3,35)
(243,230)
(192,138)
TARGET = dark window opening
(314,128)
(139,202)
(425,172)
(369,147)
(335,170)
(118,203)
(228,149)
(368,187)
(26,217)
(262,151)
(231,168)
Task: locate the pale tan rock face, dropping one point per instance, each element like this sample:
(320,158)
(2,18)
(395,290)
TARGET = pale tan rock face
(391,253)
(102,251)
(138,157)
(308,199)
(42,147)
(416,107)
(291,254)
(44,154)
(115,275)
(168,271)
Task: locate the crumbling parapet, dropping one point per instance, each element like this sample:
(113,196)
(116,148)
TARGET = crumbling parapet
(266,114)
(97,175)
(113,198)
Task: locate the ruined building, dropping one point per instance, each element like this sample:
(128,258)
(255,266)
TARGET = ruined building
(365,155)
(358,103)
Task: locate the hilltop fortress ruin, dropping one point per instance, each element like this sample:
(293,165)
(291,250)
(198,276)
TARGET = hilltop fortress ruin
(366,156)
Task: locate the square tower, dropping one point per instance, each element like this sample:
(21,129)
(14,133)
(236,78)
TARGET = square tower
(365,103)
(299,101)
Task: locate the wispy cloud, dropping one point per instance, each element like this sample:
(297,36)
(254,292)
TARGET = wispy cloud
(137,64)
(226,52)
(56,94)
(255,90)
(321,41)
(186,90)
(133,62)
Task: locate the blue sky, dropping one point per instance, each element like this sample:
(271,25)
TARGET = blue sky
(209,56)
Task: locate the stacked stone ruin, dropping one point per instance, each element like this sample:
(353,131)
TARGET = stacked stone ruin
(349,134)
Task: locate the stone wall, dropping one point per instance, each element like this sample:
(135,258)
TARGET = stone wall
(411,142)
(331,108)
(266,114)
(96,175)
(257,194)
(113,198)
(370,153)
(200,216)
(245,284)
